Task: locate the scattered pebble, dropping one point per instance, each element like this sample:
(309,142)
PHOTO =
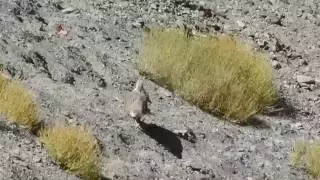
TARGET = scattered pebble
(305,79)
(297,126)
(70,10)
(241,24)
(276,65)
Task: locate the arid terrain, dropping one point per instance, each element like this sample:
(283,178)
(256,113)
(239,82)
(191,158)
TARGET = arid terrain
(83,77)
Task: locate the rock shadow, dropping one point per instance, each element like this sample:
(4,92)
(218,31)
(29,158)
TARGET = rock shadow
(9,127)
(257,123)
(4,126)
(165,137)
(282,108)
(101,177)
(105,178)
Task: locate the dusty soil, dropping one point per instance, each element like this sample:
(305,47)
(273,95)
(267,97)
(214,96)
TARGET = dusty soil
(82,78)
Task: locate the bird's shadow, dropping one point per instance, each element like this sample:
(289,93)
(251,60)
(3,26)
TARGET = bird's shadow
(165,137)
(256,122)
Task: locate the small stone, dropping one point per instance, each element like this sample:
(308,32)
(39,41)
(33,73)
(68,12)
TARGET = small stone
(241,24)
(139,23)
(271,2)
(15,152)
(102,83)
(42,28)
(2,171)
(27,141)
(227,27)
(266,164)
(297,126)
(37,159)
(186,134)
(305,79)
(68,10)
(136,25)
(306,69)
(153,6)
(182,132)
(202,135)
(252,148)
(69,79)
(185,11)
(303,62)
(164,93)
(275,20)
(276,65)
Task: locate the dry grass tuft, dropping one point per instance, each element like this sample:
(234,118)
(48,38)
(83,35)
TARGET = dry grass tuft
(75,149)
(17,104)
(219,74)
(307,154)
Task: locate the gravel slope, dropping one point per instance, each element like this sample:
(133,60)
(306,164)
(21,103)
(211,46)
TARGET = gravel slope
(84,80)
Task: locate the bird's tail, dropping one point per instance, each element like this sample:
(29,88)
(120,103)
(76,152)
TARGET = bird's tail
(139,85)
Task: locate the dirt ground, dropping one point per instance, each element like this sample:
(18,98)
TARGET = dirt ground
(82,77)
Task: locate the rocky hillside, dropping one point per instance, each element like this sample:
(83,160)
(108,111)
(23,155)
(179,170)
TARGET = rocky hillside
(82,73)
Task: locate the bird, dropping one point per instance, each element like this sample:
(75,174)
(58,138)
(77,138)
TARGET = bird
(187,30)
(137,102)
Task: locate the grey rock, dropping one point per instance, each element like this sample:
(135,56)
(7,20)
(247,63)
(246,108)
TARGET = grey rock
(70,10)
(241,24)
(297,126)
(273,19)
(276,65)
(305,79)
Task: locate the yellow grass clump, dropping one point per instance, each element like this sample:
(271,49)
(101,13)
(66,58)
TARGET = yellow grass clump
(307,154)
(74,148)
(17,104)
(219,74)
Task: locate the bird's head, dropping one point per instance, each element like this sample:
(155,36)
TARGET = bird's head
(134,115)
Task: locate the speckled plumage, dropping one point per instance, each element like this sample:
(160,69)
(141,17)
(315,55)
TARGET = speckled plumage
(137,101)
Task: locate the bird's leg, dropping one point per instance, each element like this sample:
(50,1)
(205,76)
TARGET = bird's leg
(141,124)
(137,125)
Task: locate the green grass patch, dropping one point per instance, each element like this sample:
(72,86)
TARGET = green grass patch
(74,148)
(219,74)
(16,104)
(307,155)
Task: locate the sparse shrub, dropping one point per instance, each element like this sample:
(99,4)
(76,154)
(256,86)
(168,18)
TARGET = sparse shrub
(219,74)
(17,104)
(74,148)
(308,155)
